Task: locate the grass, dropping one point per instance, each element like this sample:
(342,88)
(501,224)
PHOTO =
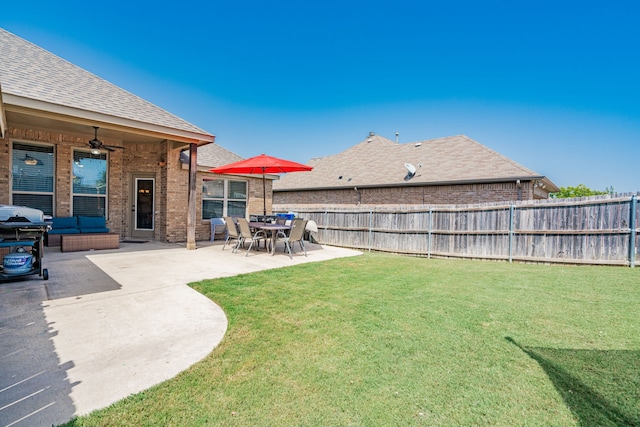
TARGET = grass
(385,340)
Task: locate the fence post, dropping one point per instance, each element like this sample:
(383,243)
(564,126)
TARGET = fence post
(429,240)
(511,215)
(632,234)
(325,223)
(370,228)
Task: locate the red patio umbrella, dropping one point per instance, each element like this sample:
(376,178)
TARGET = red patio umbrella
(261,164)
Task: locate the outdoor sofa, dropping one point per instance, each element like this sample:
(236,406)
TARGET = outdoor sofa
(90,232)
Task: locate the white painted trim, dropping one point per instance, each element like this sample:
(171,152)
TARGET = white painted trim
(75,115)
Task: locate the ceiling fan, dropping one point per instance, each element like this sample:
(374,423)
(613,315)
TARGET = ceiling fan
(97,145)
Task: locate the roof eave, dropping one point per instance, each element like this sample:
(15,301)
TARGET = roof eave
(422,183)
(552,187)
(19,104)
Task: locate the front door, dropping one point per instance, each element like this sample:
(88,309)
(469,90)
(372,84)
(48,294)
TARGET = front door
(143,208)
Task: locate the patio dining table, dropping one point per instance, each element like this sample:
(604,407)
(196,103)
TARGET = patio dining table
(272,229)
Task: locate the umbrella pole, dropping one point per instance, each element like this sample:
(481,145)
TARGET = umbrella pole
(264,197)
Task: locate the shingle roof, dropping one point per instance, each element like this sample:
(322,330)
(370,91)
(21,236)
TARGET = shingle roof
(378,161)
(212,155)
(28,71)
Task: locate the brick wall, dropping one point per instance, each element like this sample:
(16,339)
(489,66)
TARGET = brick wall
(414,195)
(160,161)
(138,158)
(142,159)
(255,203)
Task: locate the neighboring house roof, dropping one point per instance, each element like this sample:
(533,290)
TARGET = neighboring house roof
(211,156)
(379,162)
(35,79)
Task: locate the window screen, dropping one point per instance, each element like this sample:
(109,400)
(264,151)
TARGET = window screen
(89,183)
(222,197)
(32,173)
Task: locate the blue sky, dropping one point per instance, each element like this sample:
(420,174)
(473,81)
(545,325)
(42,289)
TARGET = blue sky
(553,85)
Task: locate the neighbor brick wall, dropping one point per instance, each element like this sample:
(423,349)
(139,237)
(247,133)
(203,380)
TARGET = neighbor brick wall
(437,194)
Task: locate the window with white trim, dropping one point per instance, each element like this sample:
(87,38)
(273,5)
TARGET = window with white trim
(32,172)
(223,197)
(89,183)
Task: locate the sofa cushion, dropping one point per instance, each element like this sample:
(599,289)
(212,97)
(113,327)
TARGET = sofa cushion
(91,222)
(64,222)
(63,231)
(94,230)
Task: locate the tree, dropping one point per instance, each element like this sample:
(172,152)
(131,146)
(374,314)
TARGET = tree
(580,190)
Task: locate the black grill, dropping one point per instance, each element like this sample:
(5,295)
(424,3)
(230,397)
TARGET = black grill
(22,230)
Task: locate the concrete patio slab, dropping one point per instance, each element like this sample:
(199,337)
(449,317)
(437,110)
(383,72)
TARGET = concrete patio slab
(111,323)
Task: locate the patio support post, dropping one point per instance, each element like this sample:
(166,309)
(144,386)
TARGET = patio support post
(191,209)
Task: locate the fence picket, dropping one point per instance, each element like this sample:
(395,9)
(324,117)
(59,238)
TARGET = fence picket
(593,230)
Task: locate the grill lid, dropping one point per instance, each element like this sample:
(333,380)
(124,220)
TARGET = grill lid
(21,214)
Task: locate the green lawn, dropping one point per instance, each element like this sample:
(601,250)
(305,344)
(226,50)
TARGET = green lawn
(386,340)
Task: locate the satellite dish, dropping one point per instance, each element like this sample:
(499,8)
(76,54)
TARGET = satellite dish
(411,171)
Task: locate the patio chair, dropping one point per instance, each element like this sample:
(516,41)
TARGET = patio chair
(295,235)
(282,221)
(232,233)
(246,235)
(218,228)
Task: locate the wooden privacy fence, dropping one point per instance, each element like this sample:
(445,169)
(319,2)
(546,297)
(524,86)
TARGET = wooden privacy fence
(593,230)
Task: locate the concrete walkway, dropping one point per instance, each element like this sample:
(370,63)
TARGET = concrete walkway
(111,323)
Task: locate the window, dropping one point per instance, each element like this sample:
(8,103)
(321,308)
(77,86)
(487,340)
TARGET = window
(223,197)
(32,169)
(89,183)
